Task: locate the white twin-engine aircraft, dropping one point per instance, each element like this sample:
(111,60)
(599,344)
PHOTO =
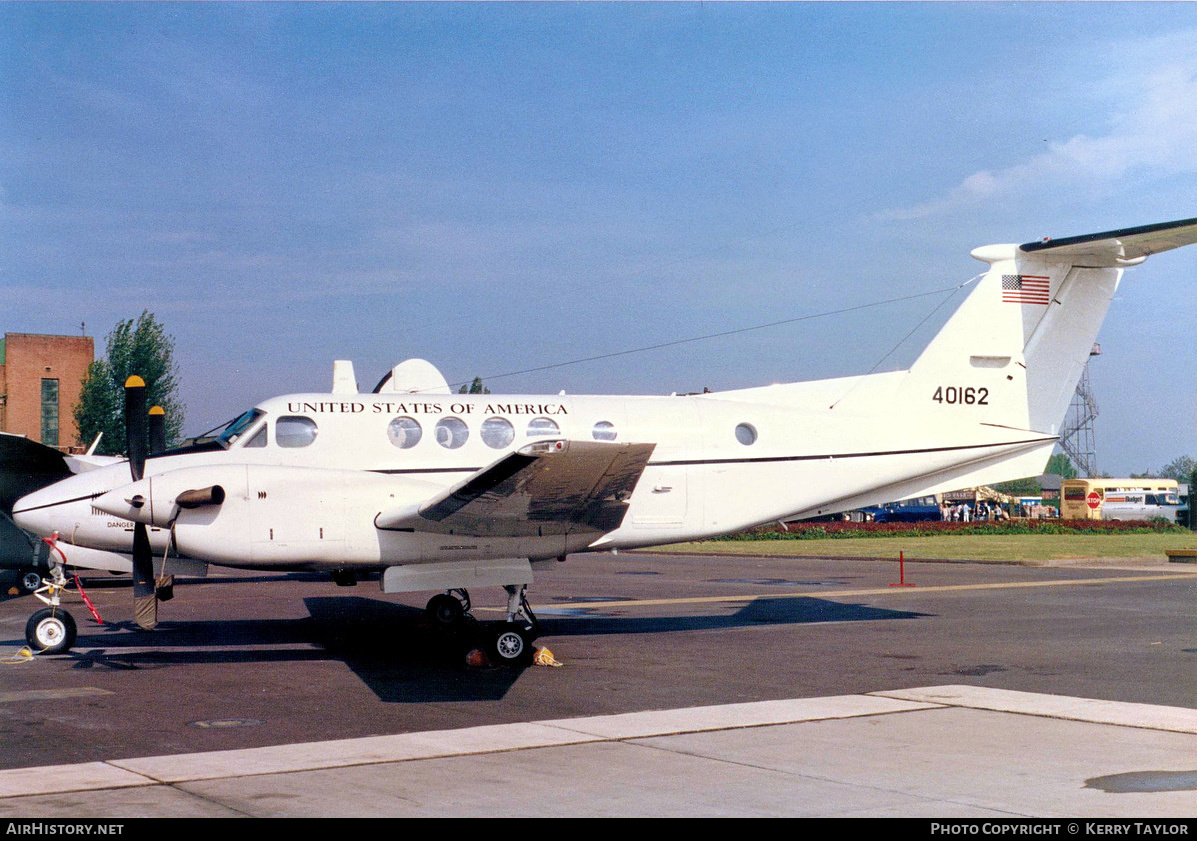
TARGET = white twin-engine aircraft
(443,491)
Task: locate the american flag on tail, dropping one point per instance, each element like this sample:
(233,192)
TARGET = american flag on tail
(1026,289)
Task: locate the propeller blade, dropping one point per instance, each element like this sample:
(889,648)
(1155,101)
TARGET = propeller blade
(157,430)
(135,426)
(145,594)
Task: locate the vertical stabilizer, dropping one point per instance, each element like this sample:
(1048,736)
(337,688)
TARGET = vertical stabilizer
(1013,352)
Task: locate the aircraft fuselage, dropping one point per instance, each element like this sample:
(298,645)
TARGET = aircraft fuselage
(303,482)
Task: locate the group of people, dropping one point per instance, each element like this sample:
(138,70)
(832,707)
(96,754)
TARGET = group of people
(962,512)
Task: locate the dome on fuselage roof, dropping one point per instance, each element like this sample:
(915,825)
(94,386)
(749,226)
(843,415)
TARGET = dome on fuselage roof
(414,376)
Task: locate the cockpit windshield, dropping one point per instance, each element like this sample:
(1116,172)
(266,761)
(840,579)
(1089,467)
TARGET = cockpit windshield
(237,427)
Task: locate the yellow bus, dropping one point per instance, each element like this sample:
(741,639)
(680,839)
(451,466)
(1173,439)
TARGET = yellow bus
(1119,499)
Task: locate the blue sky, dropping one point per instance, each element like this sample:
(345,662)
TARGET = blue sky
(497,187)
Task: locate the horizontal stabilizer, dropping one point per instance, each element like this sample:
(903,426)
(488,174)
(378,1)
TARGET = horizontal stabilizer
(550,486)
(1113,249)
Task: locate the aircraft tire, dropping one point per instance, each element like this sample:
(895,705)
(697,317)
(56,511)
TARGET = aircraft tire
(444,611)
(28,579)
(50,630)
(511,645)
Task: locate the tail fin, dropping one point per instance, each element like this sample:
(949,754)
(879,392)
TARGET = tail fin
(1013,353)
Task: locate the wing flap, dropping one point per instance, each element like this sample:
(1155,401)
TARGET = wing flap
(550,487)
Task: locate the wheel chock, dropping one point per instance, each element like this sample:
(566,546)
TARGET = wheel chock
(544,657)
(477,659)
(22,656)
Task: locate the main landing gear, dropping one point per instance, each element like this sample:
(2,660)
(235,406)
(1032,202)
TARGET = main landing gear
(28,579)
(506,643)
(448,610)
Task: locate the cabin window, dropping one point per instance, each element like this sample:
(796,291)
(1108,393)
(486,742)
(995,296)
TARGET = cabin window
(294,431)
(404,433)
(451,432)
(746,434)
(604,431)
(542,426)
(497,433)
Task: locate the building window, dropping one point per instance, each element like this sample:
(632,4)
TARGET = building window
(50,412)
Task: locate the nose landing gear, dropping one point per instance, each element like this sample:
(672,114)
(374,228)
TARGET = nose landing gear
(51,630)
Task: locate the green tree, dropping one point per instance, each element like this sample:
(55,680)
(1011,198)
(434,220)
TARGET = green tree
(1020,487)
(98,410)
(1180,468)
(1061,466)
(140,347)
(475,387)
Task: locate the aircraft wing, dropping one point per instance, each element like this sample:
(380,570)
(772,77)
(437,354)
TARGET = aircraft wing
(27,466)
(1116,248)
(550,487)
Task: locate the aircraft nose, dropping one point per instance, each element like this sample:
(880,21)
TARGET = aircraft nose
(35,512)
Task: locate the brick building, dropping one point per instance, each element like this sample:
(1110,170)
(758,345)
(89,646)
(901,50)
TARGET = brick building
(40,381)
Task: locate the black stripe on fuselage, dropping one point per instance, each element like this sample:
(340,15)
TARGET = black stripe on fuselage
(768,459)
(830,456)
(59,502)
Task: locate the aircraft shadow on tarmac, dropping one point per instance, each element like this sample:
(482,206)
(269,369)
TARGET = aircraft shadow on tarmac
(761,611)
(386,645)
(389,647)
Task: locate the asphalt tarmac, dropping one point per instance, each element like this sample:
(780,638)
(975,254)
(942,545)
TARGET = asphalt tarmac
(255,662)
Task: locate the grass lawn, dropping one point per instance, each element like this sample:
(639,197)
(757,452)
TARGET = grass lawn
(995,547)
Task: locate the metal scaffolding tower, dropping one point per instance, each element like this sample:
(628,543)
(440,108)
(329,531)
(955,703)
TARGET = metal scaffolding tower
(1076,436)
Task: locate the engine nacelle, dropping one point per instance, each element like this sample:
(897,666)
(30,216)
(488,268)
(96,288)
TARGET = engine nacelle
(159,500)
